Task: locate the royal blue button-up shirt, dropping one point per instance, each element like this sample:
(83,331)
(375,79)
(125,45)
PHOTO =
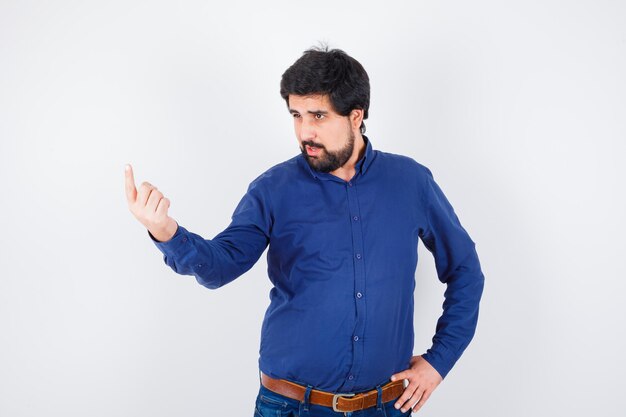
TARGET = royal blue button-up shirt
(342,258)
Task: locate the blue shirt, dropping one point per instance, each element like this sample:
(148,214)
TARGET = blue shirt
(342,259)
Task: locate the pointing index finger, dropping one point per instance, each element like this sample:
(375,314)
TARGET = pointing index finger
(131,191)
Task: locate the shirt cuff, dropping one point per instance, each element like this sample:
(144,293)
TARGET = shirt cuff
(177,245)
(440,358)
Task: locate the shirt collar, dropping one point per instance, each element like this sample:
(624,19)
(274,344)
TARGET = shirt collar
(361,165)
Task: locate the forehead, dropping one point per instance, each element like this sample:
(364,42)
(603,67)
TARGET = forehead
(310,102)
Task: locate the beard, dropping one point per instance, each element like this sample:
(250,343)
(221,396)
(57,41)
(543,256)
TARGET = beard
(328,161)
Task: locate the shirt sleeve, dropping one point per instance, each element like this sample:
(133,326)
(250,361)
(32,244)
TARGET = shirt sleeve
(218,261)
(458,266)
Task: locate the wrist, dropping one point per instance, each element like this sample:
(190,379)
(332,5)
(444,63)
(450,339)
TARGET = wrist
(165,234)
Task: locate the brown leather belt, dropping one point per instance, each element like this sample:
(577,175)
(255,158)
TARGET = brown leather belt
(338,402)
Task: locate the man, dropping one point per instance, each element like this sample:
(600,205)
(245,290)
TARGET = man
(342,221)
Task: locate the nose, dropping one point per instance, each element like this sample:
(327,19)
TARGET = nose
(307,130)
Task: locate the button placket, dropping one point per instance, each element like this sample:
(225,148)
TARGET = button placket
(359,282)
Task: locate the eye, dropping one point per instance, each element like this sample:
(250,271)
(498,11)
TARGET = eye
(295,115)
(319,116)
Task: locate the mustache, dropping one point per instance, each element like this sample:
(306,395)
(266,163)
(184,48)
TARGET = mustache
(311,144)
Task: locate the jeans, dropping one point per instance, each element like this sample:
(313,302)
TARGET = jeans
(272,404)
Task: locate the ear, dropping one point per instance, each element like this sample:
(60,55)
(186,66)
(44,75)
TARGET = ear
(356,117)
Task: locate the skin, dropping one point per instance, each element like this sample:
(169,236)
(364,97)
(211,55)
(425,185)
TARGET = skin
(423,379)
(149,206)
(339,137)
(317,124)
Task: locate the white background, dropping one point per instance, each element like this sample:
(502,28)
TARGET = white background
(517,107)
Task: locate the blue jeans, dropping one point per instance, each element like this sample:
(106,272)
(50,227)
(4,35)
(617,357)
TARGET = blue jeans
(272,404)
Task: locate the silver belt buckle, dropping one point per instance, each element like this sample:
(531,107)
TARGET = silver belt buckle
(336,397)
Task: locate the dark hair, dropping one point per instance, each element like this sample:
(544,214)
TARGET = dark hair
(332,72)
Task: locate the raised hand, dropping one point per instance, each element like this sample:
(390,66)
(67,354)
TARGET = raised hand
(149,206)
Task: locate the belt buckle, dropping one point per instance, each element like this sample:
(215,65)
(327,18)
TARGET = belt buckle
(336,397)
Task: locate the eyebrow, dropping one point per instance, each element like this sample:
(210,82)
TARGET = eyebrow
(310,111)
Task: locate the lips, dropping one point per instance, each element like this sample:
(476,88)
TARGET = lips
(312,151)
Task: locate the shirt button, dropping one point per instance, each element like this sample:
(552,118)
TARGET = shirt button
(199,265)
(185,239)
(356,218)
(350,183)
(359,295)
(358,256)
(356,338)
(351,377)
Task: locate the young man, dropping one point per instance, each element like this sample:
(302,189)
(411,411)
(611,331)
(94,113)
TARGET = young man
(342,221)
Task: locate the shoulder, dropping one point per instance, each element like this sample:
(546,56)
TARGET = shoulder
(276,174)
(404,163)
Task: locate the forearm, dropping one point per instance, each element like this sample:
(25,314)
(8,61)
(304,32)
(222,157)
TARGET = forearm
(457,325)
(214,262)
